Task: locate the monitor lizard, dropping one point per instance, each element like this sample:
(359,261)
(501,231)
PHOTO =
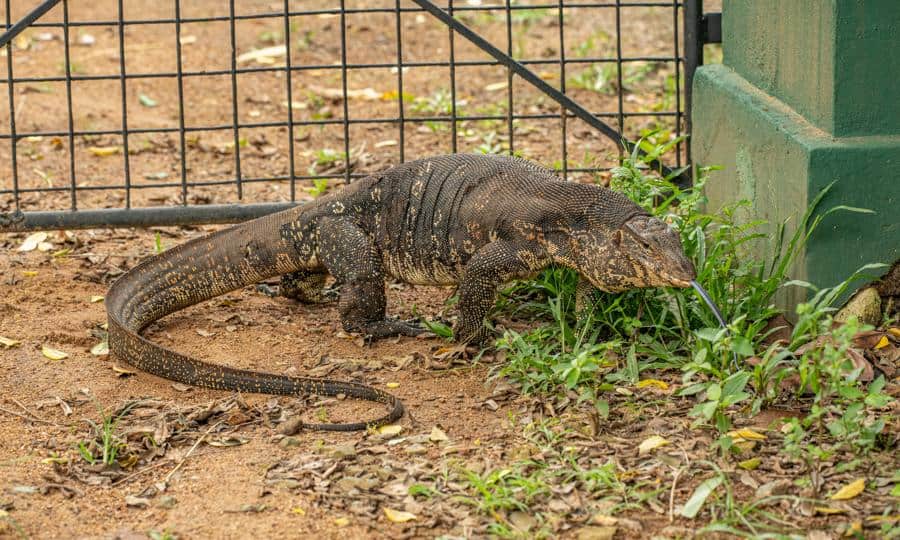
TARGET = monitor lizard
(471,220)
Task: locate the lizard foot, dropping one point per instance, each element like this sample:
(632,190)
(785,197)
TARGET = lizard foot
(481,337)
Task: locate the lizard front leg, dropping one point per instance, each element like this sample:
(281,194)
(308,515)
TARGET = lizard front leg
(493,265)
(351,257)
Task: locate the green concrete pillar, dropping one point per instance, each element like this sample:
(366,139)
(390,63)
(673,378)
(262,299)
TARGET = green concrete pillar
(808,94)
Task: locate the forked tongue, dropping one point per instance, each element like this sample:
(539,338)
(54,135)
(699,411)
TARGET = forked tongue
(715,309)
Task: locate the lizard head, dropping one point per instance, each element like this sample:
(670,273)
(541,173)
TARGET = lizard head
(642,252)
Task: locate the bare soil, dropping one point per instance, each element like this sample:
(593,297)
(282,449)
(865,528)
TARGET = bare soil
(203,464)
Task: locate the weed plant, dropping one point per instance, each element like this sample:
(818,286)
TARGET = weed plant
(616,337)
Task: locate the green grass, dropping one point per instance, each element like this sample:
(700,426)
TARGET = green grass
(440,103)
(587,355)
(603,78)
(671,328)
(105,446)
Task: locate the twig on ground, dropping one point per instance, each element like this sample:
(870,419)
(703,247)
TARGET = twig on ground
(675,476)
(191,451)
(27,417)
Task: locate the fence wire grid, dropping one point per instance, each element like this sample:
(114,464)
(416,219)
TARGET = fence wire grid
(148,113)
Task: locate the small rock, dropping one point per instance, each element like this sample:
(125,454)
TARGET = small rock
(776,487)
(136,502)
(166,501)
(289,442)
(437,435)
(865,305)
(596,533)
(522,521)
(341,451)
(86,40)
(675,531)
(291,426)
(604,520)
(416,449)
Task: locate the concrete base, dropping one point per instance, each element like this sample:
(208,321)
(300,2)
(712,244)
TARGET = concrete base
(776,159)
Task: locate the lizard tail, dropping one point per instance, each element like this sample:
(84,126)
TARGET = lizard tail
(202,269)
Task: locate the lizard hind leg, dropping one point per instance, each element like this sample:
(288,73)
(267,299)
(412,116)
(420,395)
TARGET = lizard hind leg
(352,258)
(307,287)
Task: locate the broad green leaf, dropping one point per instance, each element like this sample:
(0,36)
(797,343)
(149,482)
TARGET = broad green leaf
(708,334)
(692,507)
(735,383)
(146,100)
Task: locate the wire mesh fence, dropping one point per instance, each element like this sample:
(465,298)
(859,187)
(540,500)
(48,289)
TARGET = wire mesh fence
(114,109)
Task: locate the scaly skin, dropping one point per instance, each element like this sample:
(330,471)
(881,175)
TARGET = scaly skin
(469,220)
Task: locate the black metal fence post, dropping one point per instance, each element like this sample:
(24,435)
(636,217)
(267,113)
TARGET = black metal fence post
(699,29)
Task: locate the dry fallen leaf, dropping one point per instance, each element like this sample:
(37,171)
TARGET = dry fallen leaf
(662,385)
(398,516)
(53,354)
(342,521)
(103,151)
(746,435)
(651,443)
(393,385)
(228,441)
(298,510)
(100,349)
(123,372)
(32,241)
(882,343)
(263,56)
(493,87)
(437,435)
(828,510)
(850,490)
(7,343)
(390,429)
(96,298)
(368,94)
(894,331)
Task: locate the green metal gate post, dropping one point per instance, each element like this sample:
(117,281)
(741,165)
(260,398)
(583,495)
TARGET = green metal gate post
(809,94)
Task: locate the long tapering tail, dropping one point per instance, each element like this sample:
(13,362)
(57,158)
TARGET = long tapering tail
(202,269)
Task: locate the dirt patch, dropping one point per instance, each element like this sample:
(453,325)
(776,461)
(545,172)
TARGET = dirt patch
(474,458)
(200,464)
